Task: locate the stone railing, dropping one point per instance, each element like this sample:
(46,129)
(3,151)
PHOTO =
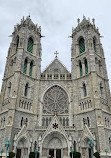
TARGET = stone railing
(56,76)
(85,104)
(25,103)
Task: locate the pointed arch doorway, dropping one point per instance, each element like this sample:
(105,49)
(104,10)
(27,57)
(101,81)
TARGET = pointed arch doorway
(55,146)
(22,148)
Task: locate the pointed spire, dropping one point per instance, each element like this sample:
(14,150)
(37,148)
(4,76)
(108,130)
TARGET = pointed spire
(84,17)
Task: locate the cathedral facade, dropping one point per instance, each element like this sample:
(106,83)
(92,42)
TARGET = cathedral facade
(55,111)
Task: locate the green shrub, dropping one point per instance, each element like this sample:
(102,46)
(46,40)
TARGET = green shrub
(11,154)
(32,155)
(97,155)
(75,155)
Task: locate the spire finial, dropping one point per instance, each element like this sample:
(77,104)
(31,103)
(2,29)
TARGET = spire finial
(29,15)
(78,20)
(93,20)
(84,17)
(56,54)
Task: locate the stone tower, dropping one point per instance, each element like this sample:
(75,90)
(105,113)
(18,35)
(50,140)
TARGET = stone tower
(55,110)
(90,80)
(23,66)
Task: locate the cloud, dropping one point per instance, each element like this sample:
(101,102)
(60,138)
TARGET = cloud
(56,19)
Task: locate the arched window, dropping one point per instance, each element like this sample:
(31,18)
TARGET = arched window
(80,67)
(105,122)
(31,67)
(17,43)
(67,121)
(25,66)
(30,45)
(84,121)
(21,123)
(94,44)
(26,89)
(101,89)
(43,121)
(86,66)
(63,121)
(47,121)
(88,122)
(9,88)
(26,121)
(84,90)
(81,45)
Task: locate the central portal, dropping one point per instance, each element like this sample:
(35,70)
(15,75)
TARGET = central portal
(55,146)
(54,153)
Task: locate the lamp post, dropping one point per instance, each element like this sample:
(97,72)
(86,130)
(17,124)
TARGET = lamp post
(91,145)
(1,152)
(36,151)
(72,151)
(106,151)
(7,144)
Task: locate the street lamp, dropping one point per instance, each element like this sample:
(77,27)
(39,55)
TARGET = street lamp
(72,151)
(7,144)
(91,145)
(1,152)
(106,151)
(36,151)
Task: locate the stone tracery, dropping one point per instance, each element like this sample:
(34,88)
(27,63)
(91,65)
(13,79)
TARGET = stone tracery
(55,100)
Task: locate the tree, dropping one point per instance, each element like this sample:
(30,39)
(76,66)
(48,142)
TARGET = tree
(75,154)
(32,155)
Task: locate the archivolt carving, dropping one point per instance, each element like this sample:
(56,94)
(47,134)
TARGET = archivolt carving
(55,100)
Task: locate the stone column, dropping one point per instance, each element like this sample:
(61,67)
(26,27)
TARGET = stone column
(83,67)
(34,49)
(28,68)
(54,153)
(61,153)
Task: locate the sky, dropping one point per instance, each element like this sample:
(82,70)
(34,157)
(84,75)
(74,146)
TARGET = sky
(56,18)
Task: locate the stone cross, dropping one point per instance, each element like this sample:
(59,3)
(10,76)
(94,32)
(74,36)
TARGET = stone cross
(56,53)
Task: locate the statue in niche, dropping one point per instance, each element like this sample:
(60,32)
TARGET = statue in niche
(10,120)
(99,120)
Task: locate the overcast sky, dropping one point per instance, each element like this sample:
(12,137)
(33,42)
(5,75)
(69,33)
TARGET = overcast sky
(56,18)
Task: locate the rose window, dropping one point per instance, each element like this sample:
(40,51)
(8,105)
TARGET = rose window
(55,100)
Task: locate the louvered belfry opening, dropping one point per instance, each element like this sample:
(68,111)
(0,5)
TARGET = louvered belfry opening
(81,45)
(30,45)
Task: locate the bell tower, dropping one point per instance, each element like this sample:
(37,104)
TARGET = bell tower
(90,80)
(24,59)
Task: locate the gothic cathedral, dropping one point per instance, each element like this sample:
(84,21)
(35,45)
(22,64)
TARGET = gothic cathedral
(55,111)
